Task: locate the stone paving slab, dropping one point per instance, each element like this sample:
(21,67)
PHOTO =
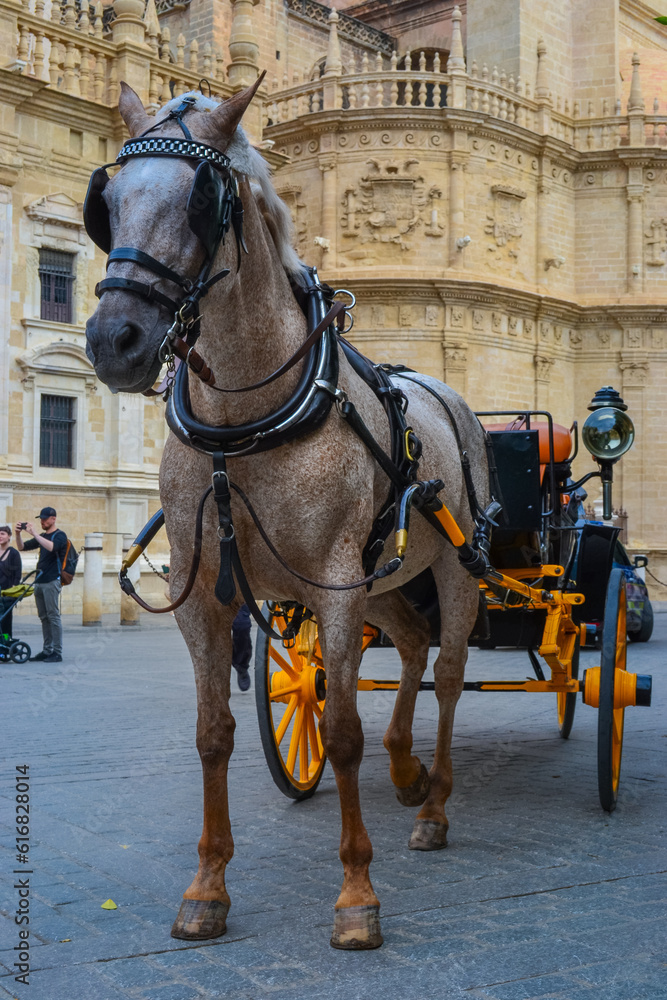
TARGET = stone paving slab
(539,895)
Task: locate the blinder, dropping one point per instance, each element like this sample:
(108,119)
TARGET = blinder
(209,207)
(96,212)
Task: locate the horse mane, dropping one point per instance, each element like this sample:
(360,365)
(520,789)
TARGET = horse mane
(249,162)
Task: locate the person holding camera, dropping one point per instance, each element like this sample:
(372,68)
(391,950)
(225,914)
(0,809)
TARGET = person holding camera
(52,543)
(10,575)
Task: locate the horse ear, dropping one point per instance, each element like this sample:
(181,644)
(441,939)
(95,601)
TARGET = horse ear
(222,121)
(132,110)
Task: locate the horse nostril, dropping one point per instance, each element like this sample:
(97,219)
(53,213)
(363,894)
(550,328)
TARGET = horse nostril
(126,338)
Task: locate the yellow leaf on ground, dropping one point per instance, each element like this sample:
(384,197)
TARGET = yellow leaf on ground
(109,905)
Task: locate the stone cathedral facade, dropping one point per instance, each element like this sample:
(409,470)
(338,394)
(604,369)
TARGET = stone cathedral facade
(489,179)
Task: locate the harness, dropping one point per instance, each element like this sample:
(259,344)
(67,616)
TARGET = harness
(213,207)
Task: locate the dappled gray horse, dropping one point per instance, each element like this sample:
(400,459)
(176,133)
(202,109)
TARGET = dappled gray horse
(316,489)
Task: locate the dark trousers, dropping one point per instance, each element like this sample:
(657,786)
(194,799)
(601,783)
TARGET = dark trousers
(241,643)
(6,624)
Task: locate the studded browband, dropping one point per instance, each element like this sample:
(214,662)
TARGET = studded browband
(169,146)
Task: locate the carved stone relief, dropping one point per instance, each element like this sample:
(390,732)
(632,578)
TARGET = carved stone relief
(635,374)
(477,319)
(432,316)
(505,226)
(388,206)
(513,326)
(405,315)
(655,240)
(291,195)
(457,315)
(634,338)
(543,367)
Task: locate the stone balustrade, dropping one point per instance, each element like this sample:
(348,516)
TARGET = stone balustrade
(375,85)
(65,45)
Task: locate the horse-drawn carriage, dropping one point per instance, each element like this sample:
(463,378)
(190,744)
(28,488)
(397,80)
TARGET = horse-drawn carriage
(291,480)
(555,581)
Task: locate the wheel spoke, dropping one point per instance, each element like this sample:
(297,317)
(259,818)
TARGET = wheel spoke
(294,741)
(312,735)
(283,663)
(303,746)
(279,695)
(286,719)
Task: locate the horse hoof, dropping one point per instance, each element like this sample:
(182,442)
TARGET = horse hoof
(198,920)
(428,835)
(356,928)
(415,794)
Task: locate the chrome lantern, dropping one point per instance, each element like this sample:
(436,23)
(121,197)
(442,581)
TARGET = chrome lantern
(608,433)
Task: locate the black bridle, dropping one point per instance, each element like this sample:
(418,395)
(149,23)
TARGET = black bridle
(214,206)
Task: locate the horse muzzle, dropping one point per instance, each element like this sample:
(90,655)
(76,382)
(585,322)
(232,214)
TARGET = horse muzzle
(123,353)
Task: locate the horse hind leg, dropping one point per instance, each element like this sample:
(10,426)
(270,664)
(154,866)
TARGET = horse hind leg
(410,633)
(458,599)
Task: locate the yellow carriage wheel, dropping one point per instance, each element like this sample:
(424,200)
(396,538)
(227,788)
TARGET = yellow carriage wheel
(290,691)
(610,719)
(566,703)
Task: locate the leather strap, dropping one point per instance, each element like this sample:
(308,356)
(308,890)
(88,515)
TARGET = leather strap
(127,586)
(335,315)
(148,292)
(136,256)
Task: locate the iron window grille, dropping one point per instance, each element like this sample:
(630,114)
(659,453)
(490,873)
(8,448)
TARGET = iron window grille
(56,278)
(56,432)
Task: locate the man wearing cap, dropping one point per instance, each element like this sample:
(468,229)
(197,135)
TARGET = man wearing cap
(52,544)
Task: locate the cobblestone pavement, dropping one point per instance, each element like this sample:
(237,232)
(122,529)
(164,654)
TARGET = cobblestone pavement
(539,894)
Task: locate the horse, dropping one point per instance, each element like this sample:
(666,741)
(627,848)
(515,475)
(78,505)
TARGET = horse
(315,494)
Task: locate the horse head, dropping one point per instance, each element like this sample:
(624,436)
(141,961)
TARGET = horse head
(162,219)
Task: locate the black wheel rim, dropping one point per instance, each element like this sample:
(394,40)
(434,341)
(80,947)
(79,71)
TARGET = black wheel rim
(611,720)
(289,719)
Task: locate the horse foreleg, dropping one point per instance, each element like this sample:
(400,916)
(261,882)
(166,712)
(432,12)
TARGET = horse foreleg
(410,633)
(357,910)
(457,596)
(203,912)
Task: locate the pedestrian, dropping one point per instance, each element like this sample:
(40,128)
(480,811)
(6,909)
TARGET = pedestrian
(10,575)
(242,647)
(52,543)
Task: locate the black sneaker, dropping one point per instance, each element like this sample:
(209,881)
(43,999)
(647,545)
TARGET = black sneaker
(243,677)
(40,656)
(52,658)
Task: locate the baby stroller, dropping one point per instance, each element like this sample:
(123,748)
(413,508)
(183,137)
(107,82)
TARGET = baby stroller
(14,649)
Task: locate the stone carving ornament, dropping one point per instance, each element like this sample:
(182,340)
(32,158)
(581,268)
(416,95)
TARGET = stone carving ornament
(504,225)
(388,205)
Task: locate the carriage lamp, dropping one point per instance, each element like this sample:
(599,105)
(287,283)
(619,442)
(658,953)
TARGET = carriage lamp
(608,433)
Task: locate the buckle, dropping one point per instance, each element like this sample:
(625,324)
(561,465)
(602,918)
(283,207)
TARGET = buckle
(353,302)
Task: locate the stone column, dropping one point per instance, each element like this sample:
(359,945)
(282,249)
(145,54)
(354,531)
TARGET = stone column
(543,366)
(542,91)
(456,64)
(636,128)
(635,268)
(129,609)
(457,166)
(333,66)
(93,579)
(635,466)
(8,177)
(132,53)
(542,224)
(329,224)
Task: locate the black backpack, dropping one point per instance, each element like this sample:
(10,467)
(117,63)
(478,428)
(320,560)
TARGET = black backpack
(68,565)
